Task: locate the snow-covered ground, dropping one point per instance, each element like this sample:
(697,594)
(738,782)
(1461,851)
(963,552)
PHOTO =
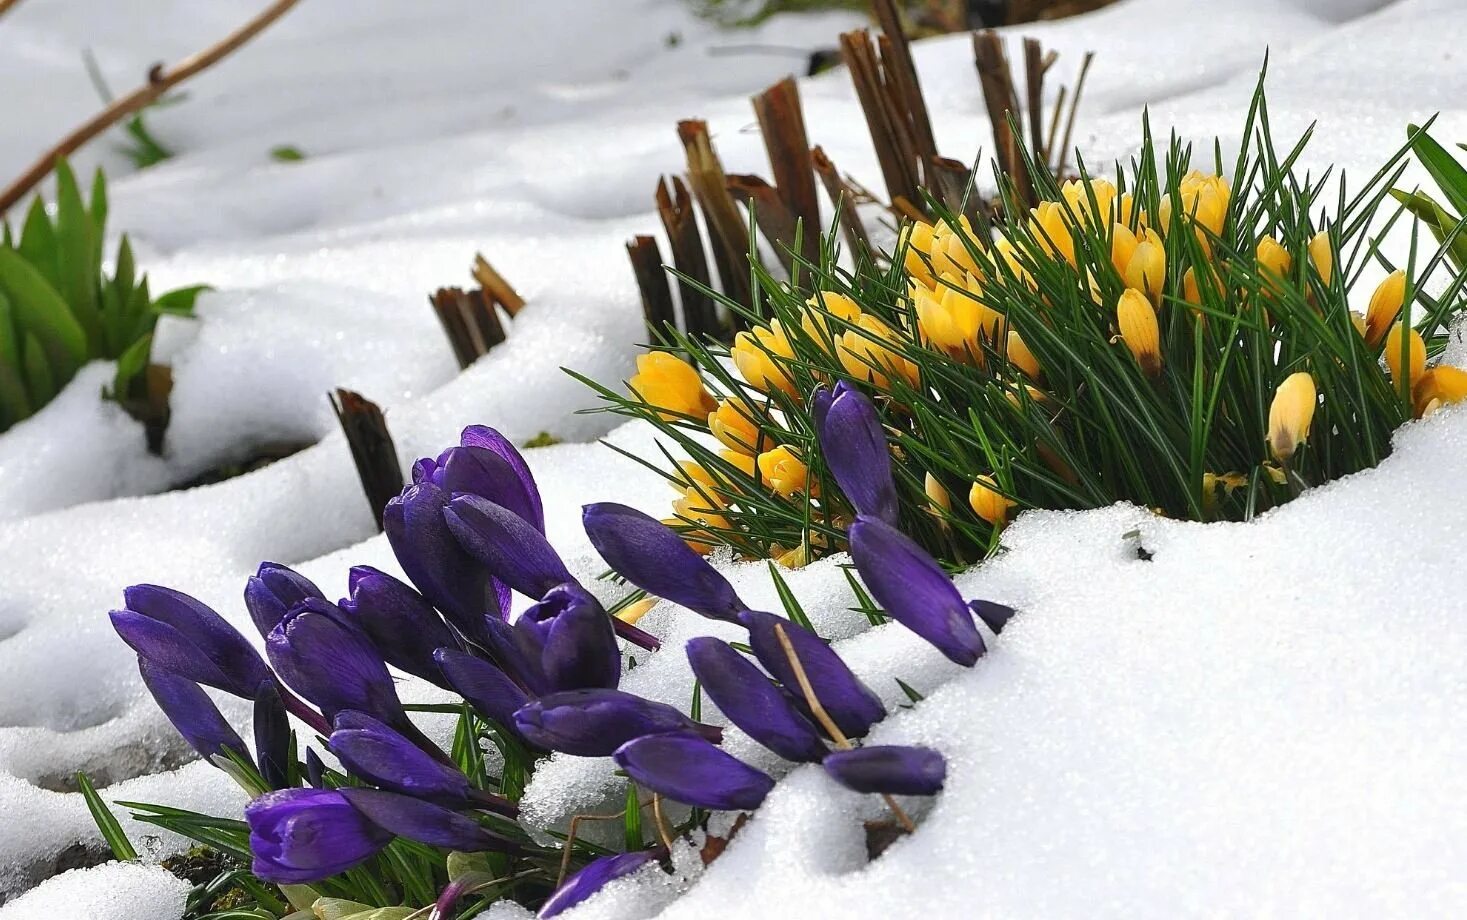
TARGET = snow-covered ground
(1264,719)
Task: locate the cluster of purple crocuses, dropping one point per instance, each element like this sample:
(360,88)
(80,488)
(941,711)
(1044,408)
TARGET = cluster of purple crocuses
(469,532)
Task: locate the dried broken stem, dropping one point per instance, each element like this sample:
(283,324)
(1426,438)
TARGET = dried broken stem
(160,80)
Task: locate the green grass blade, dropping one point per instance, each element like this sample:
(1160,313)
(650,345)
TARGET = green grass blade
(107,822)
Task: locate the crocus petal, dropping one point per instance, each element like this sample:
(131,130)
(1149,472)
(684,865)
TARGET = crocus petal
(425,822)
(482,472)
(580,647)
(191,711)
(451,579)
(402,625)
(914,590)
(592,879)
(854,447)
(507,545)
(995,616)
(332,663)
(304,835)
(272,591)
(489,439)
(487,688)
(517,651)
(687,768)
(752,702)
(850,703)
(198,643)
(272,735)
(892,769)
(383,757)
(594,723)
(653,557)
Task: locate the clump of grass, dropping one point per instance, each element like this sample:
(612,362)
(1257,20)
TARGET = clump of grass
(59,309)
(1127,340)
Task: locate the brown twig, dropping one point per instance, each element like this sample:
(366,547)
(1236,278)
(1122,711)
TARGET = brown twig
(160,81)
(997,80)
(496,287)
(675,206)
(662,830)
(823,717)
(782,124)
(371,446)
(1074,108)
(652,282)
(5,6)
(570,840)
(843,197)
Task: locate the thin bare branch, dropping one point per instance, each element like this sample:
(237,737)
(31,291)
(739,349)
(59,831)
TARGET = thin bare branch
(160,81)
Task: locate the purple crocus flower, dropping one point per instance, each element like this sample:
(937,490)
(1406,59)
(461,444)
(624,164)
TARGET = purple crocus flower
(431,556)
(382,756)
(850,703)
(914,590)
(488,465)
(594,723)
(518,650)
(184,636)
(994,616)
(687,768)
(299,836)
(592,879)
(579,647)
(272,736)
(506,544)
(889,768)
(332,663)
(854,447)
(191,711)
(653,557)
(402,625)
(272,591)
(486,687)
(751,701)
(425,822)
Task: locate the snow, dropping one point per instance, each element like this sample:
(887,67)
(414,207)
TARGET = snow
(1263,719)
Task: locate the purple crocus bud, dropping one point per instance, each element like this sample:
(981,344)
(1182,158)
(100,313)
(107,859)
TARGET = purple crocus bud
(487,688)
(451,579)
(592,879)
(506,544)
(381,756)
(272,591)
(889,768)
(687,768)
(299,836)
(854,447)
(517,651)
(315,769)
(995,616)
(914,590)
(752,701)
(579,645)
(594,723)
(185,637)
(332,663)
(488,465)
(272,736)
(651,555)
(402,625)
(191,711)
(425,822)
(850,703)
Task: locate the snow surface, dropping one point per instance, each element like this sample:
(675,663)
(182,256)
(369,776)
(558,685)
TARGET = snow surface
(1264,719)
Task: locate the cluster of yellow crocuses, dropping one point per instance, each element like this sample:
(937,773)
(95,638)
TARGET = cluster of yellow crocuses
(947,270)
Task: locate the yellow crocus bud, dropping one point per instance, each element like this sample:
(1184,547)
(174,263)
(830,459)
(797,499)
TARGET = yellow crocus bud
(989,503)
(1140,258)
(1440,386)
(1204,200)
(1290,415)
(917,238)
(704,509)
(754,354)
(782,468)
(1077,192)
(1415,350)
(739,460)
(1322,256)
(1274,264)
(797,558)
(670,385)
(937,494)
(689,475)
(1385,306)
(819,310)
(734,424)
(1021,357)
(1007,253)
(634,612)
(866,356)
(1136,319)
(1051,228)
(950,253)
(953,318)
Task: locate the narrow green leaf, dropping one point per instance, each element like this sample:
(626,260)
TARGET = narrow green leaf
(787,598)
(78,252)
(40,381)
(99,200)
(14,404)
(633,819)
(106,821)
(41,311)
(180,301)
(1444,168)
(130,364)
(38,242)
